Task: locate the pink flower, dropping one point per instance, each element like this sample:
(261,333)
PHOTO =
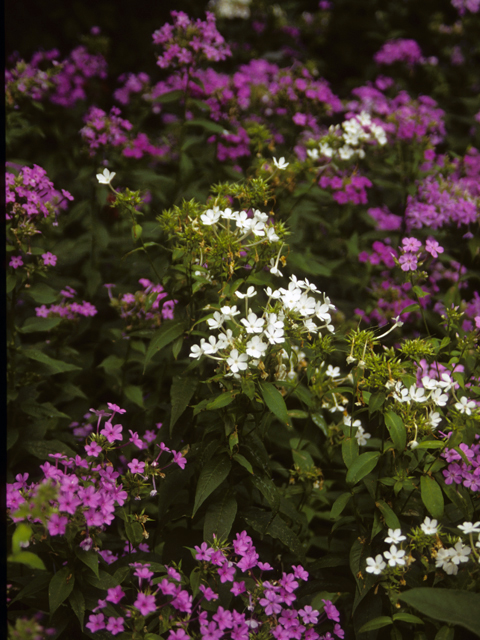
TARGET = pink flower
(115,594)
(111,432)
(115,625)
(136,466)
(49,259)
(57,524)
(15,262)
(433,247)
(93,449)
(96,622)
(145,603)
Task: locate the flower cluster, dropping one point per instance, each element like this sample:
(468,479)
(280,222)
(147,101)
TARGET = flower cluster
(260,606)
(399,50)
(27,79)
(145,308)
(447,559)
(459,471)
(347,188)
(67,309)
(86,491)
(348,144)
(466,5)
(231,8)
(246,342)
(186,42)
(75,71)
(103,131)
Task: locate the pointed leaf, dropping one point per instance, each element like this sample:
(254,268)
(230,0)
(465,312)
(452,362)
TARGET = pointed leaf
(340,504)
(376,623)
(211,477)
(389,514)
(181,392)
(275,402)
(219,518)
(432,496)
(55,366)
(349,451)
(60,587)
(362,466)
(222,400)
(396,429)
(90,558)
(77,602)
(167,333)
(454,606)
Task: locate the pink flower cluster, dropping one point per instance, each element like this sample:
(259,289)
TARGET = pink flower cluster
(66,310)
(87,492)
(399,50)
(30,193)
(264,609)
(102,130)
(466,5)
(347,188)
(458,471)
(186,42)
(145,307)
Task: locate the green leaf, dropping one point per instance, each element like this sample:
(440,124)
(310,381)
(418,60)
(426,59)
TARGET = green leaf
(362,466)
(407,617)
(41,448)
(222,400)
(42,293)
(135,394)
(219,518)
(28,558)
(170,96)
(90,558)
(432,496)
(445,633)
(244,462)
(396,429)
(39,324)
(134,533)
(55,366)
(77,602)
(181,392)
(349,451)
(211,477)
(340,504)
(319,420)
(430,444)
(376,402)
(376,623)
(167,333)
(206,124)
(60,587)
(389,515)
(11,282)
(21,535)
(104,581)
(275,402)
(454,606)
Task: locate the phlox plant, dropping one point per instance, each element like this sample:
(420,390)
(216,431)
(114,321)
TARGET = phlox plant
(243,324)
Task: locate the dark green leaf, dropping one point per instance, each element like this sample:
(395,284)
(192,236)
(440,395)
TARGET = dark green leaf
(407,617)
(134,533)
(432,496)
(41,448)
(60,587)
(167,333)
(77,602)
(349,451)
(134,394)
(362,466)
(445,633)
(219,518)
(207,125)
(396,429)
(90,558)
(170,96)
(454,606)
(244,462)
(39,324)
(42,293)
(222,400)
(104,581)
(55,366)
(376,623)
(275,402)
(389,515)
(181,392)
(376,402)
(340,504)
(212,476)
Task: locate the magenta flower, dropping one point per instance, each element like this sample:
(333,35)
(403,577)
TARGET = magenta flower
(15,262)
(115,594)
(408,262)
(115,625)
(136,466)
(433,247)
(57,524)
(331,611)
(238,588)
(111,432)
(49,259)
(309,615)
(145,603)
(96,622)
(179,634)
(179,459)
(93,449)
(411,244)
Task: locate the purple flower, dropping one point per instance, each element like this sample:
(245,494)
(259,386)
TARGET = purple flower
(96,622)
(309,615)
(145,603)
(111,432)
(411,244)
(433,247)
(408,262)
(136,466)
(115,625)
(204,552)
(49,259)
(57,525)
(238,588)
(115,594)
(93,449)
(331,611)
(15,262)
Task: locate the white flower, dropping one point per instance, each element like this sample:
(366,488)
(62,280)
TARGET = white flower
(106,177)
(434,419)
(211,346)
(477,544)
(444,561)
(280,164)
(362,436)
(446,383)
(394,556)
(196,350)
(395,536)
(306,306)
(253,324)
(274,335)
(251,291)
(321,311)
(211,216)
(255,347)
(348,421)
(274,268)
(237,362)
(326,150)
(460,552)
(465,405)
(401,393)
(429,383)
(429,527)
(228,214)
(310,326)
(215,322)
(243,221)
(225,339)
(229,312)
(375,565)
(273,294)
(346,152)
(468,527)
(332,372)
(312,154)
(439,398)
(364,118)
(271,235)
(417,394)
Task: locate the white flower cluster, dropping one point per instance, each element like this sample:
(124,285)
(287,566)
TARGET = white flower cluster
(356,131)
(231,8)
(360,434)
(446,559)
(286,309)
(245,225)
